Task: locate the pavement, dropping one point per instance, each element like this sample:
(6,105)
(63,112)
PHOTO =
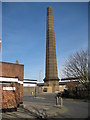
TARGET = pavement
(44,106)
(71,108)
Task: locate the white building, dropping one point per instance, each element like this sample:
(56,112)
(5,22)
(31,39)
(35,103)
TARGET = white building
(29,83)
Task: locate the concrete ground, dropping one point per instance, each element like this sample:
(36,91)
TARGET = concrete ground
(43,106)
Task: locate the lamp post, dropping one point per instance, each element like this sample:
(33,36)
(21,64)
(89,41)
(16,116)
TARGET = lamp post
(35,89)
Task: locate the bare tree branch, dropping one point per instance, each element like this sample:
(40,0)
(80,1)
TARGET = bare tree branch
(77,66)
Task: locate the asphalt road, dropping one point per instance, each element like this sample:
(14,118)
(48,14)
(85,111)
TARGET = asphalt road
(44,106)
(75,108)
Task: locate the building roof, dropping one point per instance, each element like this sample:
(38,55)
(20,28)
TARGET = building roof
(29,80)
(40,84)
(62,83)
(11,63)
(70,78)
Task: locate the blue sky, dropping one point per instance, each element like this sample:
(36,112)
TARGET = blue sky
(24,34)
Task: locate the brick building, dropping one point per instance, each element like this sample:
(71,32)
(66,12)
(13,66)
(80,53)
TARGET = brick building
(11,85)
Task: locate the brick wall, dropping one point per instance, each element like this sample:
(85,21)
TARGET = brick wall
(12,70)
(12,98)
(62,87)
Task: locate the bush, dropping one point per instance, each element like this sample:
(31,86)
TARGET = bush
(77,92)
(71,86)
(72,95)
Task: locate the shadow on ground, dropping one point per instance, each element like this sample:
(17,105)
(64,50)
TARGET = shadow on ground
(25,114)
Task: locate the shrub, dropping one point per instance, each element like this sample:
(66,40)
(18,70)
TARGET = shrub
(71,86)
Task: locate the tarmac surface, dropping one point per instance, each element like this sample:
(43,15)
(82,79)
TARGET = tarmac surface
(44,106)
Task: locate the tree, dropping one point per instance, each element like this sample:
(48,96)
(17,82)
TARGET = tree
(77,66)
(71,86)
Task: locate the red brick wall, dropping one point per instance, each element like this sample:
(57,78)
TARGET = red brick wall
(10,99)
(12,70)
(21,93)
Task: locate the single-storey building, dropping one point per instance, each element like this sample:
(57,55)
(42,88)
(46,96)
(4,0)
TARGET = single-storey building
(11,85)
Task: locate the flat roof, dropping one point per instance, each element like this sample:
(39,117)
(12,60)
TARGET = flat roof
(29,80)
(70,78)
(12,63)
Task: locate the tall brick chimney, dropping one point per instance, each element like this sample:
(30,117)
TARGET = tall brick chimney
(51,75)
